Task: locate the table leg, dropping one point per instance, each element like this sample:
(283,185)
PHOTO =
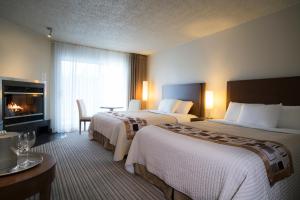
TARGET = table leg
(45,193)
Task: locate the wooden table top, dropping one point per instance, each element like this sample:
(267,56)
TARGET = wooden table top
(29,182)
(48,162)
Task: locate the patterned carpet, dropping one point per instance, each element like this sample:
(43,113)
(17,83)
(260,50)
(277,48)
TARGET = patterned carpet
(85,170)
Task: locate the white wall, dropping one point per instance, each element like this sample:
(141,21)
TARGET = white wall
(24,54)
(263,48)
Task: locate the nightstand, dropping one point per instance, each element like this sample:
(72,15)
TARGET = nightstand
(197,119)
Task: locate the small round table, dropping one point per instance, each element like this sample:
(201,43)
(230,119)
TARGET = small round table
(25,184)
(110,108)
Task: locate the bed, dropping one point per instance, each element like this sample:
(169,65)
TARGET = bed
(188,167)
(111,130)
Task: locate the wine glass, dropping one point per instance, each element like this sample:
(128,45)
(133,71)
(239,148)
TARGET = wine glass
(31,138)
(19,144)
(23,148)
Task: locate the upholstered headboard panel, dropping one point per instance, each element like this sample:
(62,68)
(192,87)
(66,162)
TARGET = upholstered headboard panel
(187,92)
(265,91)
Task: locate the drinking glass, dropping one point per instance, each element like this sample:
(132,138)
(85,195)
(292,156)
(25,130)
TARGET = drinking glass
(31,138)
(23,147)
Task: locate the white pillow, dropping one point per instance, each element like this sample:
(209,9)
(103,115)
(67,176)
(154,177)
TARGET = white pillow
(260,115)
(289,117)
(233,112)
(168,105)
(184,107)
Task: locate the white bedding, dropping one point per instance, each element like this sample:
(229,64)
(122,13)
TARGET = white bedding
(181,118)
(114,129)
(278,130)
(206,170)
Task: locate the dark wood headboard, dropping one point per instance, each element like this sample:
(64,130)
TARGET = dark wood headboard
(265,91)
(194,92)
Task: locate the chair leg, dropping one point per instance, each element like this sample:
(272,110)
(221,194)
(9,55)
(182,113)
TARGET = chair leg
(80,127)
(84,125)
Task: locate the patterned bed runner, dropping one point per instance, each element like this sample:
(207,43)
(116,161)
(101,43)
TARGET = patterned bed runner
(132,124)
(277,159)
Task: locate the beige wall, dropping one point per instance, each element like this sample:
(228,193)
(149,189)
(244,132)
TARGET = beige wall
(263,48)
(24,54)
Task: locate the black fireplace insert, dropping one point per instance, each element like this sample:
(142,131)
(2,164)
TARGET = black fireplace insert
(22,103)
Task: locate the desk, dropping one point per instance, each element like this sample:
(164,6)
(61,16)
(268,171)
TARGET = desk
(110,108)
(25,184)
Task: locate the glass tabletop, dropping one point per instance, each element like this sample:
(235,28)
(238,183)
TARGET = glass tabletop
(111,108)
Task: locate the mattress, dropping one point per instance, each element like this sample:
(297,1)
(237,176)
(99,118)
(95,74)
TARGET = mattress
(206,170)
(114,129)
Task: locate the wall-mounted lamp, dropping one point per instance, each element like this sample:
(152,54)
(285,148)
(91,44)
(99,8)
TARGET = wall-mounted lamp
(209,102)
(50,30)
(145,91)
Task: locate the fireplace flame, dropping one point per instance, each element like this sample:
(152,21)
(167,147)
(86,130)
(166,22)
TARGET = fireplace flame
(14,107)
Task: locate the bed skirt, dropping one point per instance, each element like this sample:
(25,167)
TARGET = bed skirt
(103,140)
(169,192)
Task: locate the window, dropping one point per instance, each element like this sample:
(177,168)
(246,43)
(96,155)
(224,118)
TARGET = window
(98,77)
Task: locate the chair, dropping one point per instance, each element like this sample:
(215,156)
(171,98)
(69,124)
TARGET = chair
(134,105)
(82,114)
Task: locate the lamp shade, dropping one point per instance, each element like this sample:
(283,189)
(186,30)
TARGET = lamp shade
(209,99)
(145,91)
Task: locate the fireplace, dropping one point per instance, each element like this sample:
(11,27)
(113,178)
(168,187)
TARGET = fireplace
(22,105)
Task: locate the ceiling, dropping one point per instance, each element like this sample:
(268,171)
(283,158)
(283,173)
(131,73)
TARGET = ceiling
(141,26)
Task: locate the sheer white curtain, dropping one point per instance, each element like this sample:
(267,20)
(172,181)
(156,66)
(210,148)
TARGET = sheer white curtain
(99,77)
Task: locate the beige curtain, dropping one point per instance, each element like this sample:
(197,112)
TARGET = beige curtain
(138,74)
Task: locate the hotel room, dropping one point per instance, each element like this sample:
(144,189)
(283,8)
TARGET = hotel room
(132,99)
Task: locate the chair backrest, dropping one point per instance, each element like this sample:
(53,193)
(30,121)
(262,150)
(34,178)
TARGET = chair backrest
(134,105)
(81,108)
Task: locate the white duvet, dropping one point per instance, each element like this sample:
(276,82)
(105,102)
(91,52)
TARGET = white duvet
(206,170)
(114,129)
